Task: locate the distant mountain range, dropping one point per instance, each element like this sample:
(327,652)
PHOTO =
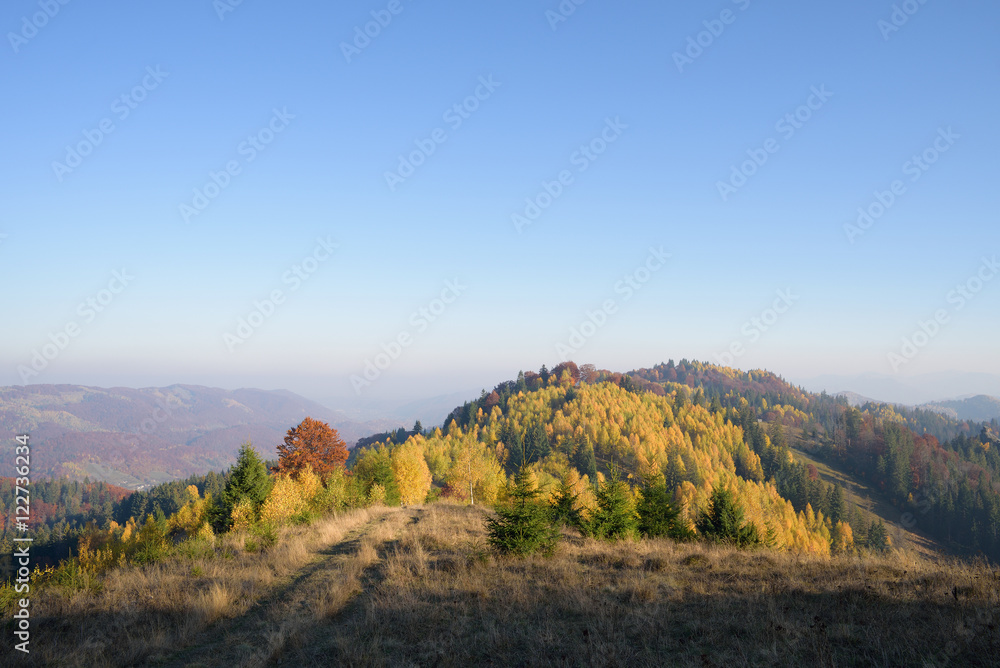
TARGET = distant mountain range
(980,408)
(907,390)
(139,437)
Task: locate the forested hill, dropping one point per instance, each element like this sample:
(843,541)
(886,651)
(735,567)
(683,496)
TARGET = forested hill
(701,424)
(772,396)
(698,425)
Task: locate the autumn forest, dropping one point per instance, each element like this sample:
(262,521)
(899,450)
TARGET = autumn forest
(690,455)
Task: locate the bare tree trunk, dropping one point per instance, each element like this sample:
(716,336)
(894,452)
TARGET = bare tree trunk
(472,497)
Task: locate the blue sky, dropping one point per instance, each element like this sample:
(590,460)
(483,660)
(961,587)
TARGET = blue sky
(608,71)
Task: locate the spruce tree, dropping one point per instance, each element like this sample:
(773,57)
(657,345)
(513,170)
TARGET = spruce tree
(615,517)
(878,537)
(247,480)
(586,461)
(835,502)
(658,516)
(722,521)
(562,508)
(536,442)
(523,527)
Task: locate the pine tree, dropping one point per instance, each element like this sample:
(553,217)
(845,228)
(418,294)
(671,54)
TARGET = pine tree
(523,527)
(658,516)
(563,506)
(878,538)
(536,442)
(722,521)
(835,504)
(247,480)
(615,517)
(586,461)
(521,385)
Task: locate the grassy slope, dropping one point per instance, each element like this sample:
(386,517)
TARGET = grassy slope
(417,586)
(870,500)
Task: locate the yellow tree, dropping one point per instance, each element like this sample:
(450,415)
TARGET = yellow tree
(410,470)
(475,470)
(286,499)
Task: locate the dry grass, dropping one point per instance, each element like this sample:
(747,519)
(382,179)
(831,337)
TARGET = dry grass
(141,614)
(420,587)
(441,598)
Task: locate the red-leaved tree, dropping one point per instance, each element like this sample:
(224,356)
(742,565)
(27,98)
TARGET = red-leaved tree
(312,443)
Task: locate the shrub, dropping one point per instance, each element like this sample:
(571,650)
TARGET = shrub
(243,516)
(333,495)
(151,542)
(376,494)
(193,515)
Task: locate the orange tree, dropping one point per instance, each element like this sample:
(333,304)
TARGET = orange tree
(312,443)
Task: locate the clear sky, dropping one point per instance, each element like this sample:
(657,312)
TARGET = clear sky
(202,151)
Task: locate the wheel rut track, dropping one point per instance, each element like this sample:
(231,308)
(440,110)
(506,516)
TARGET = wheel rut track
(249,639)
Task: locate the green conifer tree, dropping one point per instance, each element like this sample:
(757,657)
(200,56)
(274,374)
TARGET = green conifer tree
(522,527)
(722,521)
(658,516)
(615,517)
(247,480)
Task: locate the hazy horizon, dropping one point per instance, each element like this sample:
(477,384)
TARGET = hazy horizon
(411,404)
(266,196)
